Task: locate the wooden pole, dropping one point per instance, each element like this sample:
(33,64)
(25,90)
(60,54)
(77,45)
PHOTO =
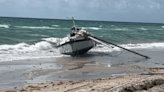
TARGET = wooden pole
(95,39)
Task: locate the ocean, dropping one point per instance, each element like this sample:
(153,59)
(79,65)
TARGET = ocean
(23,38)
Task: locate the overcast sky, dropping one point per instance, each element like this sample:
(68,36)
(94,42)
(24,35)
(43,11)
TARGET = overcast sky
(108,10)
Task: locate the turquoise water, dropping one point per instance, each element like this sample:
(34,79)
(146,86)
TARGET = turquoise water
(17,30)
(24,35)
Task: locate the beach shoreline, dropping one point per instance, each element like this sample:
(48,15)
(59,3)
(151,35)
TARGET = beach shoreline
(141,82)
(144,80)
(79,71)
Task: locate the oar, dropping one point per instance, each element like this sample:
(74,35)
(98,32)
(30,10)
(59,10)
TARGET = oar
(105,42)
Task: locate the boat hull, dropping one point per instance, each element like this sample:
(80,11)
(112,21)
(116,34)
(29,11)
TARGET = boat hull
(76,48)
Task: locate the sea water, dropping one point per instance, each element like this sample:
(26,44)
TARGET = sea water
(25,38)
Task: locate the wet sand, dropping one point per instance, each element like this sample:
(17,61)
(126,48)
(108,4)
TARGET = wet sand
(84,74)
(145,82)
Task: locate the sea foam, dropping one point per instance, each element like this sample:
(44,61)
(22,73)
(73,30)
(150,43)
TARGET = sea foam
(142,28)
(51,39)
(46,49)
(4,26)
(35,27)
(150,46)
(145,46)
(25,48)
(120,29)
(55,25)
(93,28)
(20,51)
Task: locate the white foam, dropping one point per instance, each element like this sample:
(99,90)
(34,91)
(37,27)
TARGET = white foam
(38,35)
(152,46)
(94,28)
(142,28)
(20,51)
(102,48)
(4,26)
(14,57)
(162,26)
(25,48)
(45,49)
(35,27)
(51,40)
(57,40)
(55,25)
(100,25)
(144,46)
(120,29)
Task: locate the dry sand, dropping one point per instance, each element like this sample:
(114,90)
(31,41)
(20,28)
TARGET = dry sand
(152,81)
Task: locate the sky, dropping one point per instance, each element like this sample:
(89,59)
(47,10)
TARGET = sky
(103,10)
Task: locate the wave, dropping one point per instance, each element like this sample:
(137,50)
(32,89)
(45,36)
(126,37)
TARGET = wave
(51,40)
(4,26)
(21,51)
(142,28)
(24,47)
(35,27)
(93,28)
(120,29)
(162,26)
(145,46)
(100,25)
(38,35)
(46,48)
(55,25)
(154,46)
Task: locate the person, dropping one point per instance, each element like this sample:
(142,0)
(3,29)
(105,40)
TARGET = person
(72,34)
(75,28)
(74,31)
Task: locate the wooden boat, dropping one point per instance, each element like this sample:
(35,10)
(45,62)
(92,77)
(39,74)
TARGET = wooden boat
(76,43)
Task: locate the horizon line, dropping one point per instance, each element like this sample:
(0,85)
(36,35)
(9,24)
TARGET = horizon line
(79,20)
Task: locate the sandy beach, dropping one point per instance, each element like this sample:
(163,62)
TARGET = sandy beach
(144,82)
(90,73)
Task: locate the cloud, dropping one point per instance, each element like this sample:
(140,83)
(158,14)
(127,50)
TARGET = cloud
(110,10)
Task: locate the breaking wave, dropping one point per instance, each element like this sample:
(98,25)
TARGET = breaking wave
(93,28)
(50,40)
(4,26)
(35,27)
(120,29)
(162,26)
(152,46)
(46,49)
(55,25)
(19,51)
(142,28)
(145,46)
(38,35)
